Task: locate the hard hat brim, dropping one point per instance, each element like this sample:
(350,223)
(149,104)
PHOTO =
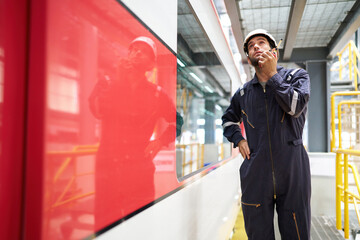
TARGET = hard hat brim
(258,32)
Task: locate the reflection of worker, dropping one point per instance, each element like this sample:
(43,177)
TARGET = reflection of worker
(179,123)
(129,108)
(276,168)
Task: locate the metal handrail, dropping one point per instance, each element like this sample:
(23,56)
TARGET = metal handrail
(335,94)
(339,117)
(342,187)
(199,160)
(352,63)
(78,151)
(184,99)
(343,194)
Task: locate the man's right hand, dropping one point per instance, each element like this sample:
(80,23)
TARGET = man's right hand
(244,149)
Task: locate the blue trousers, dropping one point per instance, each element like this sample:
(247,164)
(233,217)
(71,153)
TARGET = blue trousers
(294,224)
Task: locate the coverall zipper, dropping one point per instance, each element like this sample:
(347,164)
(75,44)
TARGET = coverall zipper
(252,204)
(297,229)
(271,158)
(282,119)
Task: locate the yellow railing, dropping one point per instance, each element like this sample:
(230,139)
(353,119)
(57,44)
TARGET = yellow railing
(195,156)
(70,157)
(343,193)
(222,152)
(354,57)
(342,188)
(184,97)
(196,149)
(349,103)
(333,137)
(193,153)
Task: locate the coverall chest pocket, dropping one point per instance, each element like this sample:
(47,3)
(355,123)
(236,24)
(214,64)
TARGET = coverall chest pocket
(253,109)
(246,118)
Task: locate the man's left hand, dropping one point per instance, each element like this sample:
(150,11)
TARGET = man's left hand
(268,63)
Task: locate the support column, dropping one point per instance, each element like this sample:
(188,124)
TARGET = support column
(318,120)
(209,122)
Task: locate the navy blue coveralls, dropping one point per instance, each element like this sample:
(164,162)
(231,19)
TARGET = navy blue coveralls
(278,170)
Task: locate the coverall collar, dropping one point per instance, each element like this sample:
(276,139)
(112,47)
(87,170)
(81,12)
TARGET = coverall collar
(256,80)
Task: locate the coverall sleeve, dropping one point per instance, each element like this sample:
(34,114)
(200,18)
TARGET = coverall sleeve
(292,95)
(169,110)
(231,120)
(98,97)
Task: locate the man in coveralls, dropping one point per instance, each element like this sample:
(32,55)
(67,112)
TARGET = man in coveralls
(276,167)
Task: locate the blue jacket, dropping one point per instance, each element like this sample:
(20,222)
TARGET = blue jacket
(274,119)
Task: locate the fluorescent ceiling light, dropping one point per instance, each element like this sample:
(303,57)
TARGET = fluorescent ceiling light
(197,93)
(209,89)
(196,77)
(180,63)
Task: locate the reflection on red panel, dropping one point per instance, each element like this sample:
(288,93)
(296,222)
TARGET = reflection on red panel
(110,117)
(13,37)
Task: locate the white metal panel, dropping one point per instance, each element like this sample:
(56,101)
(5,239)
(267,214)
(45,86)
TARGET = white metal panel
(160,16)
(208,19)
(206,209)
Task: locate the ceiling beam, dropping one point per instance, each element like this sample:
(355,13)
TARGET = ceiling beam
(205,59)
(206,15)
(345,31)
(232,9)
(184,50)
(296,13)
(306,54)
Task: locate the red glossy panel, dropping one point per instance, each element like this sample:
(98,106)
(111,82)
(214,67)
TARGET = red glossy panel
(35,122)
(13,29)
(109,119)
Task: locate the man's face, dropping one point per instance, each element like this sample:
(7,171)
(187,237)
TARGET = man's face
(141,55)
(256,46)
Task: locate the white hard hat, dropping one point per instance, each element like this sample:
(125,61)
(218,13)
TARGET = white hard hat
(257,32)
(147,41)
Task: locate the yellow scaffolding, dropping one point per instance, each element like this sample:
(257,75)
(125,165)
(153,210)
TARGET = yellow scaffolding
(193,153)
(195,149)
(343,194)
(332,136)
(349,120)
(354,57)
(70,157)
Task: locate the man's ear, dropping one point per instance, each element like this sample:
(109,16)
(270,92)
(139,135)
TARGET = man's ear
(248,60)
